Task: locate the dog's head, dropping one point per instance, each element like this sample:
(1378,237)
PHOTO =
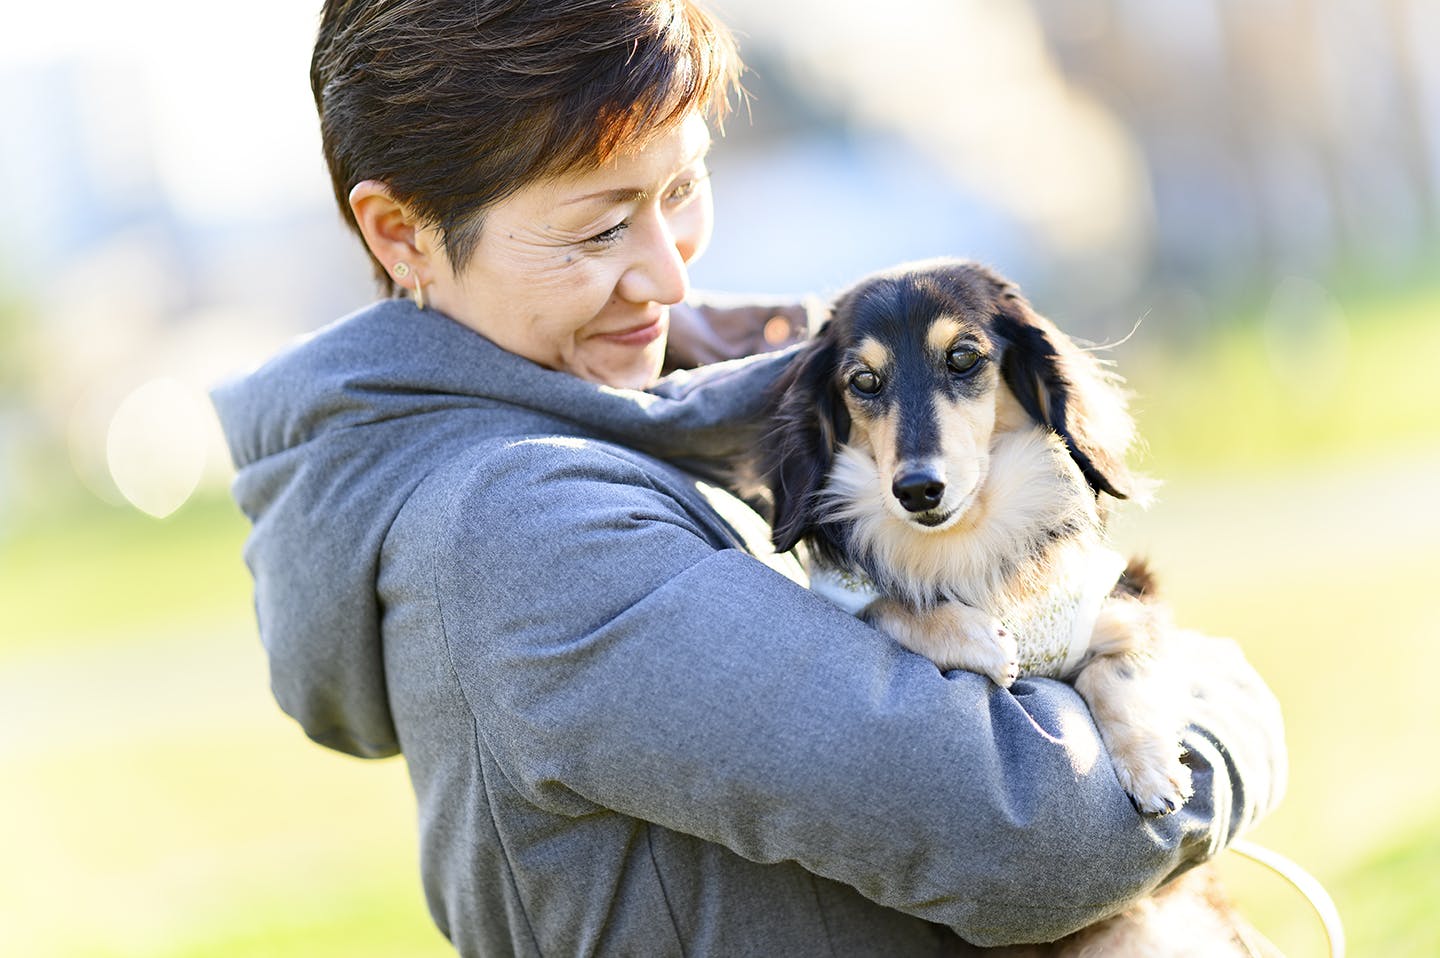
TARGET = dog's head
(921,369)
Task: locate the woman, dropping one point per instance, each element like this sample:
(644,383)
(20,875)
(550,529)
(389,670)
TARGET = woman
(630,729)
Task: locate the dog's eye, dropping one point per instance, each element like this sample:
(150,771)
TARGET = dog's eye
(962,359)
(865,383)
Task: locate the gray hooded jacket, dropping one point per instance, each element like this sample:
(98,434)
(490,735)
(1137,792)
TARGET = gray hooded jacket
(629,730)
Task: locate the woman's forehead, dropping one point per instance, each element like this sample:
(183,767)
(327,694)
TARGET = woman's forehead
(631,174)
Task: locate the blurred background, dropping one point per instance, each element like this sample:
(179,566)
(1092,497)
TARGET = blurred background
(1241,196)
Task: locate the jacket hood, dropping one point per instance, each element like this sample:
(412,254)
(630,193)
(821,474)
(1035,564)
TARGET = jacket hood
(330,438)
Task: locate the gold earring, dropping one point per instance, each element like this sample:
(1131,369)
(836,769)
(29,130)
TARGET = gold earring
(402,270)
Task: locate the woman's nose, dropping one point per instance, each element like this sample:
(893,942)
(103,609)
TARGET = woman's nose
(659,273)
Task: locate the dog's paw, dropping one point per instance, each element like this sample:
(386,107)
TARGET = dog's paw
(987,648)
(953,635)
(1132,705)
(1157,784)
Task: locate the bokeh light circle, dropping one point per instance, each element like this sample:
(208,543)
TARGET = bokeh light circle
(156,445)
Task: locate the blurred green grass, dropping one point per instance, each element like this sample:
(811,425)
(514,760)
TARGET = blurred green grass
(83,570)
(1247,396)
(158,804)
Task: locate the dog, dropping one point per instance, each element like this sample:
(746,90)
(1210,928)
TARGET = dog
(947,458)
(945,453)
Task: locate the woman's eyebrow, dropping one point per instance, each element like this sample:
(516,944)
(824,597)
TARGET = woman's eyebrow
(622,194)
(631,194)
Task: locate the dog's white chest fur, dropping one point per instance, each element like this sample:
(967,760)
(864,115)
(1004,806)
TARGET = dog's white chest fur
(1052,626)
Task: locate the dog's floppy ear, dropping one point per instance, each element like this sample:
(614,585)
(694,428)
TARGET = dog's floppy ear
(809,422)
(1062,387)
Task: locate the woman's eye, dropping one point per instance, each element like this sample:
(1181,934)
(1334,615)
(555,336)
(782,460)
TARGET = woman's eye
(684,191)
(962,359)
(608,236)
(865,383)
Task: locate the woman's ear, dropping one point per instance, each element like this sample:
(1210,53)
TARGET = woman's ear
(1061,386)
(394,235)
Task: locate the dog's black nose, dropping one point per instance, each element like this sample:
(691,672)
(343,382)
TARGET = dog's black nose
(918,491)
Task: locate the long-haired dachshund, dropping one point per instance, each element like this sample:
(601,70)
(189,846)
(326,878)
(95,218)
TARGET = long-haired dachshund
(944,451)
(946,455)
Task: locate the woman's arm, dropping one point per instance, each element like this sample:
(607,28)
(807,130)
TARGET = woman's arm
(617,656)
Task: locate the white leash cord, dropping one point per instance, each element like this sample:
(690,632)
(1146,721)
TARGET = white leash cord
(1306,884)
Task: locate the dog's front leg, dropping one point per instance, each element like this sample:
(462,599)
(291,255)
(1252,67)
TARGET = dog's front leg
(953,635)
(1133,706)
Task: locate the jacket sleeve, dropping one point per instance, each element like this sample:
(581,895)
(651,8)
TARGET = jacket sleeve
(617,655)
(713,328)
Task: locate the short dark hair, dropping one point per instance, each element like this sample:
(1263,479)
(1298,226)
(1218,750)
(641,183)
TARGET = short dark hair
(456,104)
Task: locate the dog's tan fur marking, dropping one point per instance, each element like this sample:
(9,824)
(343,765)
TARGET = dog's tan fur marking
(878,436)
(943,332)
(873,353)
(1009,416)
(965,428)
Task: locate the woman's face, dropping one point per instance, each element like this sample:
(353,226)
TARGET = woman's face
(577,273)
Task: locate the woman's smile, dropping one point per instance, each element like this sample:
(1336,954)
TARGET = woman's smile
(640,335)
